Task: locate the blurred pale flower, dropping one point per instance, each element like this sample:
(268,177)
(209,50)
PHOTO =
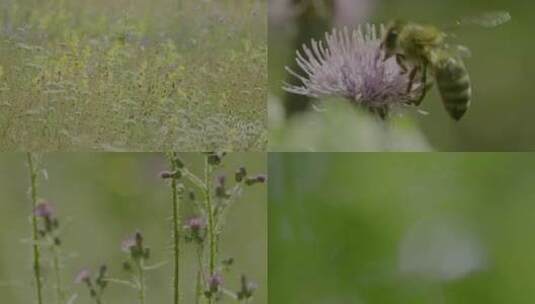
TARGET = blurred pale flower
(344,12)
(352,12)
(441,249)
(351,65)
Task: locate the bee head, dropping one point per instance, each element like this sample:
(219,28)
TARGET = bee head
(391,37)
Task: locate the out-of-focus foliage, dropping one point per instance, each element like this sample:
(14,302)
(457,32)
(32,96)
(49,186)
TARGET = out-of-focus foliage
(341,127)
(501,69)
(132,75)
(101,199)
(401,228)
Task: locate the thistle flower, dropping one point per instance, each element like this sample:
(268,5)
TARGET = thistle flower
(128,243)
(170,174)
(134,246)
(240,174)
(195,229)
(220,189)
(84,276)
(44,209)
(195,224)
(247,288)
(215,158)
(95,291)
(249,181)
(351,65)
(214,282)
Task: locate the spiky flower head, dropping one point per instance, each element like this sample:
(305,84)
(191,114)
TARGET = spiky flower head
(84,276)
(352,65)
(214,282)
(195,229)
(195,224)
(135,247)
(44,209)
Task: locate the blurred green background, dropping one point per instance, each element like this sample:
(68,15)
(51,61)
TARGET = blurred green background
(501,68)
(401,228)
(101,198)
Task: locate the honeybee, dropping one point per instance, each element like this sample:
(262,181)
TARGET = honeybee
(418,47)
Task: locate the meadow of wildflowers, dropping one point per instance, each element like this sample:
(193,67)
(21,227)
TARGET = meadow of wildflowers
(133,75)
(133,228)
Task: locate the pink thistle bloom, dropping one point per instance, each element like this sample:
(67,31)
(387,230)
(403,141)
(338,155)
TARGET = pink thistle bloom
(351,65)
(128,243)
(83,276)
(44,209)
(214,282)
(195,224)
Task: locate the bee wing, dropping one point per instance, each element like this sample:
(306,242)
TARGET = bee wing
(459,50)
(463,51)
(487,20)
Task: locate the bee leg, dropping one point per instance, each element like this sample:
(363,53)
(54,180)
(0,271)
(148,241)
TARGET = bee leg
(426,86)
(400,59)
(412,76)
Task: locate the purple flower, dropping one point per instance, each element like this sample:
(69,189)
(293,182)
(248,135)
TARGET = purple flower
(44,210)
(83,276)
(134,246)
(214,282)
(221,180)
(166,174)
(256,179)
(195,224)
(261,178)
(128,243)
(351,65)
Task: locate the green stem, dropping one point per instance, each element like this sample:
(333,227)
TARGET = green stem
(36,251)
(176,231)
(200,276)
(141,277)
(56,267)
(210,211)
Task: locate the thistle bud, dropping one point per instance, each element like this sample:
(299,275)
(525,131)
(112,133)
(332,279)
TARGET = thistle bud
(240,174)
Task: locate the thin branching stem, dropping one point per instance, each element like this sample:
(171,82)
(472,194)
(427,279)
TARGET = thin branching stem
(141,278)
(36,249)
(57,273)
(176,231)
(194,179)
(200,274)
(211,223)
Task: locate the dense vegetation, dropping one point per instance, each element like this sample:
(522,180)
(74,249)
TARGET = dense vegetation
(132,75)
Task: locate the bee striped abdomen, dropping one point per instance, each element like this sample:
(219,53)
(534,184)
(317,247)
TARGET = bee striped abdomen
(453,83)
